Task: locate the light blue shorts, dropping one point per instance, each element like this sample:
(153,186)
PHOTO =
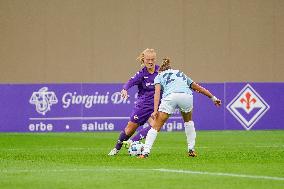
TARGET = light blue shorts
(183,101)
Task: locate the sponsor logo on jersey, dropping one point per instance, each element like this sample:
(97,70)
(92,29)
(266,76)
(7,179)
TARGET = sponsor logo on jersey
(136,117)
(149,84)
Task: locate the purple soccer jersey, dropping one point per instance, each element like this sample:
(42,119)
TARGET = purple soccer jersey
(144,105)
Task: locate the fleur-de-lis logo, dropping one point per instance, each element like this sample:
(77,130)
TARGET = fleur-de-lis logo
(248,100)
(43,100)
(248,107)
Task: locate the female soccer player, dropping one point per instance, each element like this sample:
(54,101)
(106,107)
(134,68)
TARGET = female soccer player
(144,79)
(176,87)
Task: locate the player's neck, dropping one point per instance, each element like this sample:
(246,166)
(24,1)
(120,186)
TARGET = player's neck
(151,70)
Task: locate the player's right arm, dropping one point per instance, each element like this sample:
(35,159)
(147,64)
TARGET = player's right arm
(205,92)
(157,97)
(136,79)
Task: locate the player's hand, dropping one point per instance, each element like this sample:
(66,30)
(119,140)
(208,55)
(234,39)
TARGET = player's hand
(124,94)
(218,102)
(154,115)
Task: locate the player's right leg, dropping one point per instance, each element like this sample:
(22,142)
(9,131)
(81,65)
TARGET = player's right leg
(166,108)
(162,117)
(124,136)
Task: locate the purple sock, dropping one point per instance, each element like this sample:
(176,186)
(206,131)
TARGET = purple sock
(141,134)
(122,137)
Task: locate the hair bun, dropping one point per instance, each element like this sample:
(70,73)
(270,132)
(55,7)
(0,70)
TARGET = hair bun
(165,65)
(166,60)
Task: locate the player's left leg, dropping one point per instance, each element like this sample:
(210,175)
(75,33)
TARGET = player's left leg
(190,133)
(186,106)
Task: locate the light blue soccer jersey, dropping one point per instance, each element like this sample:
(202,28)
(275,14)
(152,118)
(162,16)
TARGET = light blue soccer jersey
(173,81)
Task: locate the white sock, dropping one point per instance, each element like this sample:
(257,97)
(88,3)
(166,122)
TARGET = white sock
(190,134)
(150,139)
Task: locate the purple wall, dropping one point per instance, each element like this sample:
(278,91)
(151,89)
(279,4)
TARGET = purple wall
(98,107)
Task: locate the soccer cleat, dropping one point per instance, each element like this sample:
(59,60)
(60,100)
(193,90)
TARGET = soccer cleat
(113,152)
(192,153)
(143,156)
(126,144)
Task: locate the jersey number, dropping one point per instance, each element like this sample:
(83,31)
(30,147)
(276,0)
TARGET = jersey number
(168,77)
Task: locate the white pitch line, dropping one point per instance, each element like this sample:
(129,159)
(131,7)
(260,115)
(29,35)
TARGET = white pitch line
(273,146)
(221,174)
(147,170)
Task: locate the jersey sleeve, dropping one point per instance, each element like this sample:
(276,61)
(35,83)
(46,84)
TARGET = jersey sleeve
(136,79)
(189,81)
(157,79)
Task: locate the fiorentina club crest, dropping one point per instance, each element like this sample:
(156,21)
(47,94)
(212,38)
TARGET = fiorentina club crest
(248,107)
(43,100)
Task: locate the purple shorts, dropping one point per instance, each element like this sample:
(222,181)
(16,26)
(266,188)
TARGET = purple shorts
(141,113)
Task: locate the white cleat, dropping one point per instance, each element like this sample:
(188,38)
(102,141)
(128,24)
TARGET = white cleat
(113,152)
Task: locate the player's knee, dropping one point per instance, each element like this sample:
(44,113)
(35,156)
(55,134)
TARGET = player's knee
(157,125)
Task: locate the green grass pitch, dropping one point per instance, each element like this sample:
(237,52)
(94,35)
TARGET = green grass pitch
(226,159)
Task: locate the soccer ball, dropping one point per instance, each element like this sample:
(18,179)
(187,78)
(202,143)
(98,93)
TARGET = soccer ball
(136,148)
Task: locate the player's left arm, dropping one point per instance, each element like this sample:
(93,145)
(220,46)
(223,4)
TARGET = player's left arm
(205,92)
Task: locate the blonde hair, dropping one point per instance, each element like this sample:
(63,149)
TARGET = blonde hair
(140,58)
(165,65)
